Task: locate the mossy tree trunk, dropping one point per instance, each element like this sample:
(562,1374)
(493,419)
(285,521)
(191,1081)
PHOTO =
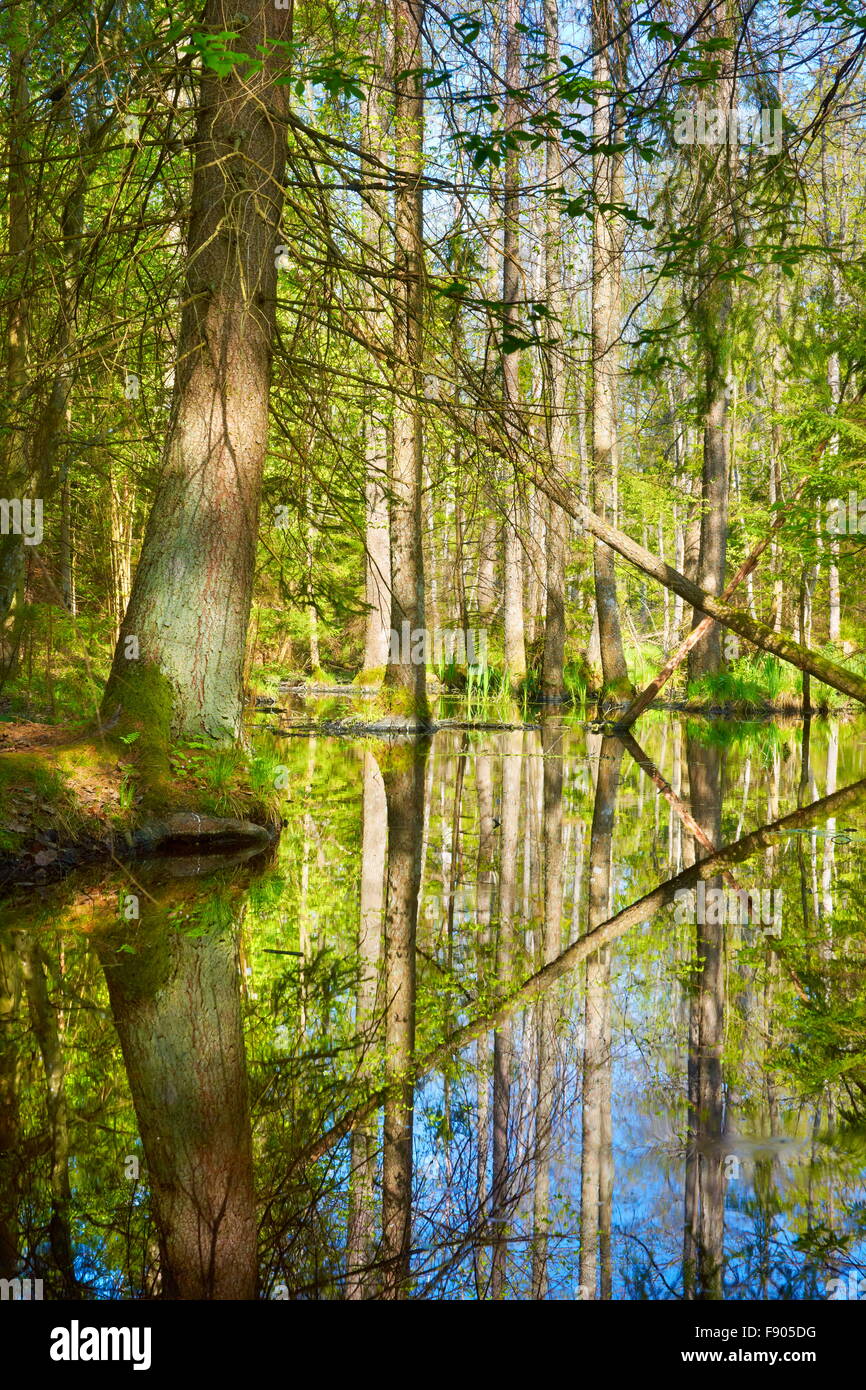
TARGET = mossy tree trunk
(14,460)
(189,609)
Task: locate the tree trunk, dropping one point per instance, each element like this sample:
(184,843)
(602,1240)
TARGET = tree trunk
(515,646)
(608,67)
(743,624)
(553,659)
(712,313)
(378,542)
(15,462)
(405,677)
(190,602)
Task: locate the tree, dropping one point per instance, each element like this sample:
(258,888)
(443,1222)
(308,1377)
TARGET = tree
(178,663)
(608,70)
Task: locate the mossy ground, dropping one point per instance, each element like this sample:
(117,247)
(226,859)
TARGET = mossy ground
(95,783)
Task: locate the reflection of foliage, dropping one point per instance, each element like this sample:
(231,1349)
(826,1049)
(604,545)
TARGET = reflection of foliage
(789,1065)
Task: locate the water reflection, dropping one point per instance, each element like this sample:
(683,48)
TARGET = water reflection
(501,1018)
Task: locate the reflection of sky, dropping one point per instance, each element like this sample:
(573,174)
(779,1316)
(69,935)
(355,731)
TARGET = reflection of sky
(767,1203)
(769,1211)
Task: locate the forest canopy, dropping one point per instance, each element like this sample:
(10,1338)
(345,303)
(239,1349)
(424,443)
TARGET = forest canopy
(335,337)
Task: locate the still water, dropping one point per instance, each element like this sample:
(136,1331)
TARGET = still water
(508,1014)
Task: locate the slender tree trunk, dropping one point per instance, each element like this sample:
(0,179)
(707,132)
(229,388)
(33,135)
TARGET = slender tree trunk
(515,646)
(608,67)
(406,674)
(378,543)
(712,313)
(15,463)
(558,529)
(830,672)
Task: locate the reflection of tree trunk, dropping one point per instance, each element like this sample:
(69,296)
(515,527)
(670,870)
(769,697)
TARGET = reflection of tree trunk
(177,1011)
(360,1236)
(512,768)
(10,1125)
(705,1178)
(404,787)
(551,736)
(43,1019)
(486,878)
(596,1177)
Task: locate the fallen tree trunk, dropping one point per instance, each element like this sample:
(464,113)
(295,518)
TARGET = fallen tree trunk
(646,697)
(754,631)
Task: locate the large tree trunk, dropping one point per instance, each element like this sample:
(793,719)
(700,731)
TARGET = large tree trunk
(608,67)
(406,674)
(190,602)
